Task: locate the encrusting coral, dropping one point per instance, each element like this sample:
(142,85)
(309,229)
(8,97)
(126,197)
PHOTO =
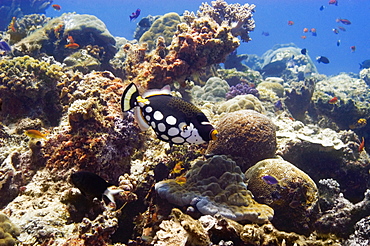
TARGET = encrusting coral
(214,187)
(246,135)
(28,88)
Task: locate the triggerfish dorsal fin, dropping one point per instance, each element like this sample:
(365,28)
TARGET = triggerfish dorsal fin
(166,90)
(129,97)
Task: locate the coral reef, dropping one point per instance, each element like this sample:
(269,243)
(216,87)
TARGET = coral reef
(361,235)
(353,100)
(216,186)
(274,87)
(299,96)
(247,136)
(294,197)
(26,25)
(28,88)
(18,9)
(51,39)
(338,214)
(164,26)
(144,25)
(319,151)
(241,89)
(234,77)
(8,231)
(213,91)
(239,17)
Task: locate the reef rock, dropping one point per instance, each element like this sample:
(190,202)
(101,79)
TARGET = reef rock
(216,187)
(247,136)
(289,191)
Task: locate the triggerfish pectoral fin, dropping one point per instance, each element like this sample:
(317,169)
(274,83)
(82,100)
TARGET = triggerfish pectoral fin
(129,97)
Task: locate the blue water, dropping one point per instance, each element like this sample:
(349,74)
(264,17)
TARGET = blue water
(270,16)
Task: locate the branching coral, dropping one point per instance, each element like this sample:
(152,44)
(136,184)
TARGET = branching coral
(195,45)
(239,17)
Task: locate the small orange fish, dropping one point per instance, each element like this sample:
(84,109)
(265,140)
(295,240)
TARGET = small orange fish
(334,100)
(70,40)
(12,24)
(305,29)
(35,134)
(362,145)
(177,168)
(290,23)
(303,37)
(181,180)
(57,30)
(353,48)
(313,31)
(56,7)
(72,46)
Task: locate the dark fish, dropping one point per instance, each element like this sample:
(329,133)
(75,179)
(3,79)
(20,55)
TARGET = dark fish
(342,28)
(173,119)
(92,185)
(279,105)
(304,51)
(322,7)
(161,172)
(270,180)
(135,14)
(338,42)
(322,59)
(4,46)
(266,34)
(335,31)
(365,64)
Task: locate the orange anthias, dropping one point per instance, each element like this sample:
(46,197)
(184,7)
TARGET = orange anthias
(362,145)
(35,134)
(333,100)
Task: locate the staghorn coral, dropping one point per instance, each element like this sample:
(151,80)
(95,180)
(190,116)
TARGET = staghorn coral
(164,26)
(28,88)
(239,17)
(194,46)
(247,136)
(8,231)
(216,186)
(294,197)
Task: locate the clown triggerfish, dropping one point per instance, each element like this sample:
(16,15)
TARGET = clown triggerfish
(173,119)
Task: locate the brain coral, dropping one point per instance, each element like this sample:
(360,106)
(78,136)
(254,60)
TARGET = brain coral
(216,186)
(241,102)
(8,231)
(214,90)
(165,26)
(247,136)
(293,197)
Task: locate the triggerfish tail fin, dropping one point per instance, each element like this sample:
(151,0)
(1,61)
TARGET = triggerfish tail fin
(129,97)
(109,193)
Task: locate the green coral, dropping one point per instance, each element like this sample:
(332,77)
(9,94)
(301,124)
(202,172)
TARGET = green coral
(8,231)
(164,26)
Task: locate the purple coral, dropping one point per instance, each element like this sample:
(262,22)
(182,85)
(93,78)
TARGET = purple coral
(241,89)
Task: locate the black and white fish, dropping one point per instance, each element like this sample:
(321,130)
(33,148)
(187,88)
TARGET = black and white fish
(173,119)
(91,184)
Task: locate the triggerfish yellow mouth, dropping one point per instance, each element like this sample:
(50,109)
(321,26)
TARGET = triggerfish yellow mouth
(173,119)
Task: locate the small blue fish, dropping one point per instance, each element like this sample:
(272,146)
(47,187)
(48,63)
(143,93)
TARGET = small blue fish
(266,34)
(304,51)
(322,7)
(4,46)
(278,105)
(270,180)
(135,14)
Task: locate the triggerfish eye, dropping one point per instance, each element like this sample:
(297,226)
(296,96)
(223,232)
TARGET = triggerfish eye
(214,135)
